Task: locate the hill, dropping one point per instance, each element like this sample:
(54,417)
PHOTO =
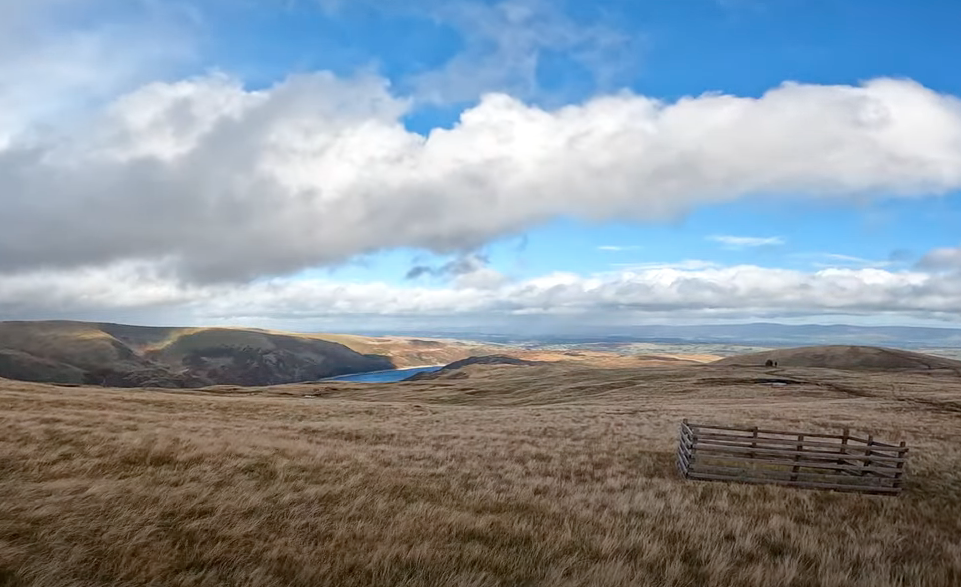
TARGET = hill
(557,474)
(720,335)
(456,370)
(137,356)
(857,358)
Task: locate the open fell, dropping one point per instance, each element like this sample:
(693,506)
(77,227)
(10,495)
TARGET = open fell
(118,355)
(551,474)
(847,357)
(137,356)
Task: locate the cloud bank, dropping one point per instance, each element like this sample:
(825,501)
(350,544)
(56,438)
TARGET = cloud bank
(626,296)
(220,183)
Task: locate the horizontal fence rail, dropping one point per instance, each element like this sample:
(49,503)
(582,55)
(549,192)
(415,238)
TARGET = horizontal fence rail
(842,462)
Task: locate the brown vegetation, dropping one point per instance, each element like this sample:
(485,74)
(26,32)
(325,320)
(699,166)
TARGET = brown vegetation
(610,359)
(846,357)
(535,475)
(137,356)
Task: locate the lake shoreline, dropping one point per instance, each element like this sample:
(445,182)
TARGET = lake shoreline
(367,373)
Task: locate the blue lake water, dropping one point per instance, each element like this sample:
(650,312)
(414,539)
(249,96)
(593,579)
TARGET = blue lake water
(385,376)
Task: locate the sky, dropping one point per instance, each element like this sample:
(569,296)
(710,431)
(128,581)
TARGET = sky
(366,164)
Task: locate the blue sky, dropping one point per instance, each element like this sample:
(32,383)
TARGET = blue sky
(675,49)
(304,151)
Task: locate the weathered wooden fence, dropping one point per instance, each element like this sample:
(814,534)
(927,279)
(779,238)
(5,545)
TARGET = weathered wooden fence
(842,462)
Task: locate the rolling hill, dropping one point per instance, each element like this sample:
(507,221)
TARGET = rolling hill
(136,356)
(856,358)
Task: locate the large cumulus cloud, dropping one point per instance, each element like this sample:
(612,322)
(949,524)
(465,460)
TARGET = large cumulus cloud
(221,183)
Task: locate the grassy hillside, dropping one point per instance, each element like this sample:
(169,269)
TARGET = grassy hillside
(847,357)
(26,367)
(126,356)
(545,475)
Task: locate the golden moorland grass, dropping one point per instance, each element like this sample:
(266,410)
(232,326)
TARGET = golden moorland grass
(550,475)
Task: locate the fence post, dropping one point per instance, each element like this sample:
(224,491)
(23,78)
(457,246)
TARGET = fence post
(682,445)
(844,451)
(844,445)
(753,443)
(867,453)
(797,457)
(900,467)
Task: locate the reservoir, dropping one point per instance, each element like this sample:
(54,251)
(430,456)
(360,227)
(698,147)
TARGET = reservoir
(385,376)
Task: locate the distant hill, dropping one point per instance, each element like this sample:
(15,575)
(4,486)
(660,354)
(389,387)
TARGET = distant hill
(757,334)
(137,356)
(845,357)
(454,370)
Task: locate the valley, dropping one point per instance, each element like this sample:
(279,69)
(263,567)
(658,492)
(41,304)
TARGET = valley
(136,356)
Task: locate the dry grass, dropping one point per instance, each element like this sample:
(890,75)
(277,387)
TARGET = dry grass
(553,475)
(606,359)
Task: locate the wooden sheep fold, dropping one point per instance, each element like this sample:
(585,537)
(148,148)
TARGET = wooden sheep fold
(840,462)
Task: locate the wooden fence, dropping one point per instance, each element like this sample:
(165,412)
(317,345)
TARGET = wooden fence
(840,462)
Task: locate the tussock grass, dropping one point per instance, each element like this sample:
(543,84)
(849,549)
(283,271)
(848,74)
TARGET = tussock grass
(547,475)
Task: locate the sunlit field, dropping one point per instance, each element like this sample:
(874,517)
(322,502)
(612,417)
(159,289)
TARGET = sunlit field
(549,475)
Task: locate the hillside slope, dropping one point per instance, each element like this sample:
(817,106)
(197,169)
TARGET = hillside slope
(132,356)
(856,358)
(555,475)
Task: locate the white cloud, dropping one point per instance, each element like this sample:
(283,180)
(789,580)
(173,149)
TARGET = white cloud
(848,258)
(618,248)
(685,265)
(828,260)
(50,67)
(942,259)
(223,183)
(145,291)
(741,242)
(482,278)
(505,44)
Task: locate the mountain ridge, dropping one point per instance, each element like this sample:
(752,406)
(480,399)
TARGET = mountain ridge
(120,355)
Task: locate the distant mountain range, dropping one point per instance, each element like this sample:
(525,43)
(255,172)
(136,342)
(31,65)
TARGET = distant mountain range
(757,334)
(136,356)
